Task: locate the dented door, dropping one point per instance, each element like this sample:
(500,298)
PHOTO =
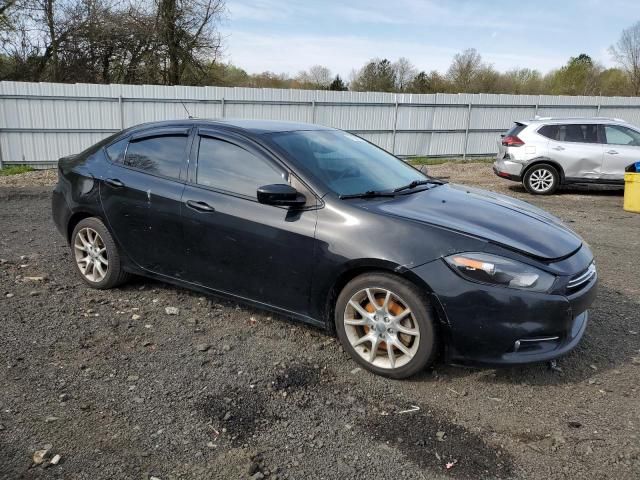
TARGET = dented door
(578,159)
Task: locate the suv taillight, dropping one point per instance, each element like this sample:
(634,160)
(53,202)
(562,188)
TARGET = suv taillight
(512,141)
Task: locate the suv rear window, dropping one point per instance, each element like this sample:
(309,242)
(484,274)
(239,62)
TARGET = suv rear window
(515,130)
(571,132)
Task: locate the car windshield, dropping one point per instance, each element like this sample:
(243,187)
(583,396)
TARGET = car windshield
(347,164)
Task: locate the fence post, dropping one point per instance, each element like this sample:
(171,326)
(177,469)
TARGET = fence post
(222,104)
(1,164)
(466,133)
(598,112)
(121,109)
(395,125)
(313,111)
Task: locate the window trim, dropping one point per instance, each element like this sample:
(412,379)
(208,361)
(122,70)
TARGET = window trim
(156,132)
(598,133)
(250,146)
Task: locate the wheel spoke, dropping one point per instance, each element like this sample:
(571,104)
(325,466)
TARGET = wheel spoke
(101,270)
(385,304)
(367,338)
(357,322)
(374,348)
(414,332)
(402,315)
(401,346)
(392,355)
(363,313)
(372,299)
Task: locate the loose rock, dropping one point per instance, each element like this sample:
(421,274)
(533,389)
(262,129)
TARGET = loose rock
(172,310)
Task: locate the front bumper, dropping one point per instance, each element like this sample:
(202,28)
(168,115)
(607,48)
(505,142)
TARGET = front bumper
(509,169)
(495,326)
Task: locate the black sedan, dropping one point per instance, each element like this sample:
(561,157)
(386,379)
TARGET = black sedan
(317,224)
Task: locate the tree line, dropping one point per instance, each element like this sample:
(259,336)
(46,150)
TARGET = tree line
(178,42)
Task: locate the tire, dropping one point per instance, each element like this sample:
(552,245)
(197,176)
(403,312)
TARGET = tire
(381,324)
(84,249)
(541,179)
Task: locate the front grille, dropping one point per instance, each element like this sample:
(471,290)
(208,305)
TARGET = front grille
(582,278)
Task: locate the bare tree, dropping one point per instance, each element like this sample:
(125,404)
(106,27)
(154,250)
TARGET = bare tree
(626,52)
(188,32)
(464,69)
(405,72)
(317,76)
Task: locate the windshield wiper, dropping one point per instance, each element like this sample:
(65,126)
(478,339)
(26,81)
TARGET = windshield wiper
(368,194)
(417,183)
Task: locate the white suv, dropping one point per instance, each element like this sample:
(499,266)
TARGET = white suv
(547,152)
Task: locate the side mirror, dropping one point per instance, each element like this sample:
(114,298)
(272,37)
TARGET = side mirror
(280,194)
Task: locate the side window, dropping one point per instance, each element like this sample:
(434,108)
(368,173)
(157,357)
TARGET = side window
(116,151)
(229,167)
(161,155)
(618,135)
(575,132)
(549,131)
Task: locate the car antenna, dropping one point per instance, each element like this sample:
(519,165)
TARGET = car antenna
(185,109)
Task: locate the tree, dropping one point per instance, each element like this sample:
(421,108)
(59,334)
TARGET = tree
(187,30)
(464,70)
(578,77)
(431,82)
(317,77)
(404,73)
(376,76)
(338,84)
(626,52)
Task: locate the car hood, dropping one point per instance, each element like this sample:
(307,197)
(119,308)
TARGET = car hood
(497,218)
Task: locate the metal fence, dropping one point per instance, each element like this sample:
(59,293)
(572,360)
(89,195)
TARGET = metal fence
(40,122)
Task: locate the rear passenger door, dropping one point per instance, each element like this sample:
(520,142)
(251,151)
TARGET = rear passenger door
(622,149)
(141,196)
(576,147)
(236,245)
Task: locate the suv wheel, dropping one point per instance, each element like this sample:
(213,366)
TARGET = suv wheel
(385,323)
(96,255)
(542,179)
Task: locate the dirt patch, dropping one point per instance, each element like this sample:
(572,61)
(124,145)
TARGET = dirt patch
(236,413)
(434,443)
(296,377)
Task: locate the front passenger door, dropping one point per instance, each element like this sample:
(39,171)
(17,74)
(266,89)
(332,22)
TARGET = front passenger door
(622,148)
(236,245)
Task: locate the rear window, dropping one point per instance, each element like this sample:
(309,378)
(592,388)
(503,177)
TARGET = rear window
(515,130)
(571,132)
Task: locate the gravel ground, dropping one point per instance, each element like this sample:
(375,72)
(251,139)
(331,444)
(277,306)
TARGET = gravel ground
(119,388)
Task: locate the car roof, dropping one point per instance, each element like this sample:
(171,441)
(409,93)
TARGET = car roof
(571,120)
(256,127)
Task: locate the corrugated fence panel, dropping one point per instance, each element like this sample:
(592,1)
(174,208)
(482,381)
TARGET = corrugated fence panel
(40,122)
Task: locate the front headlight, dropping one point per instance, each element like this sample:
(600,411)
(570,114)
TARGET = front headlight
(495,270)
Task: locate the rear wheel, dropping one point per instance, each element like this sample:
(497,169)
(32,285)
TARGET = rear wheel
(386,325)
(541,179)
(96,255)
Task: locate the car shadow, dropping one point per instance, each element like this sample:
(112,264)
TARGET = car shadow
(611,340)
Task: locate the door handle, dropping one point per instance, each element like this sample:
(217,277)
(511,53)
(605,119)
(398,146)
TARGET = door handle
(558,148)
(612,152)
(114,182)
(200,206)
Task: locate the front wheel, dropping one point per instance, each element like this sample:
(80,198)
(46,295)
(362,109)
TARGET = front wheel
(385,323)
(542,179)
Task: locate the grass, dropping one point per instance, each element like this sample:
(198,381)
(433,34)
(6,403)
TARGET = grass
(440,160)
(15,170)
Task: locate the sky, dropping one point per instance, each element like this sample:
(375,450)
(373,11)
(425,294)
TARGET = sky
(287,36)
